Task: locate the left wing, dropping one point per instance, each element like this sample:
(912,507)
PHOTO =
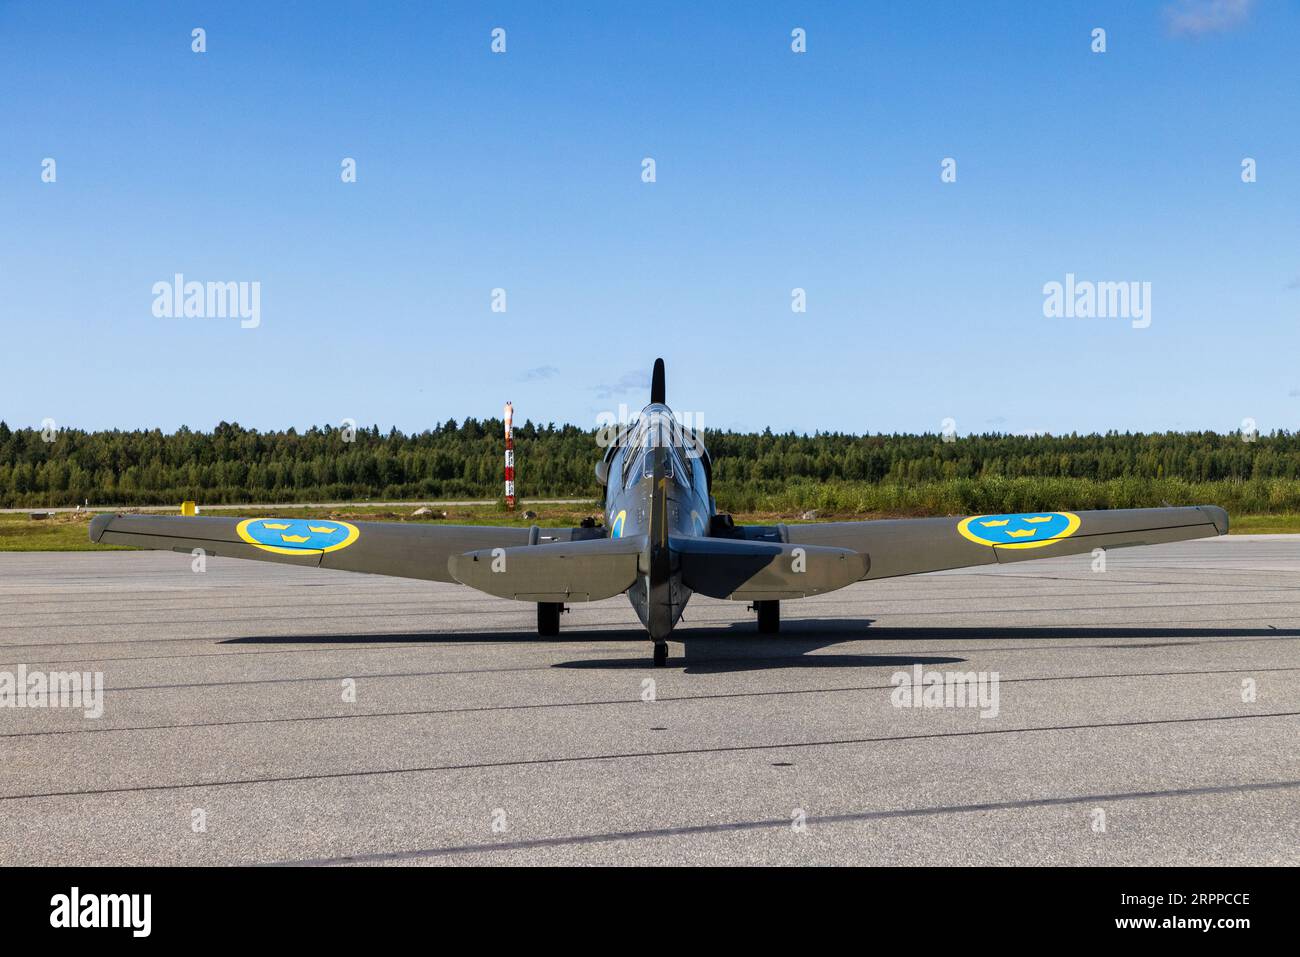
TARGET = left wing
(554,572)
(910,546)
(380,548)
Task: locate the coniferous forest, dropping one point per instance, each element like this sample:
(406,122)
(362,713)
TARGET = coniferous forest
(888,474)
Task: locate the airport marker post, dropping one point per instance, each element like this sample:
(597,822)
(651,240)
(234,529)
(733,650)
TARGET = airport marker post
(510,458)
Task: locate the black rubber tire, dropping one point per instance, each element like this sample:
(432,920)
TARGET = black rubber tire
(769,617)
(548,618)
(661,656)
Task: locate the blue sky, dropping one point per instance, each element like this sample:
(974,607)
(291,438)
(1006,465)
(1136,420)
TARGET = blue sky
(775,170)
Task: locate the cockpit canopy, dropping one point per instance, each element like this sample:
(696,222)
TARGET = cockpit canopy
(687,460)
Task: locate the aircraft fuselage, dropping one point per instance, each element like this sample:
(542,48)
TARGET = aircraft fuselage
(657,487)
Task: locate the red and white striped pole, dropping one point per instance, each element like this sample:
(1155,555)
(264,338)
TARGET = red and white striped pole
(510,458)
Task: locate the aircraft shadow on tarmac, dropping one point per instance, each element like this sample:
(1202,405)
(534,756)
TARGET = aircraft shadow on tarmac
(739,647)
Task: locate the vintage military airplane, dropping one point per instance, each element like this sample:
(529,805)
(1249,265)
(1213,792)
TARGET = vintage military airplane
(662,540)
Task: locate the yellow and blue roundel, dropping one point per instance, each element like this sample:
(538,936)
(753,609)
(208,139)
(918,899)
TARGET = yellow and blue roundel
(616,530)
(297,536)
(1025,530)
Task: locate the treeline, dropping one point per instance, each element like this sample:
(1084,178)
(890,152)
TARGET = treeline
(906,474)
(232,464)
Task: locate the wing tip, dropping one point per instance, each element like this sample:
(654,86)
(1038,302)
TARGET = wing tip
(98,526)
(1217,515)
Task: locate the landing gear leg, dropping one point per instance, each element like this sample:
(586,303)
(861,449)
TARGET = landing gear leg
(661,654)
(769,617)
(548,618)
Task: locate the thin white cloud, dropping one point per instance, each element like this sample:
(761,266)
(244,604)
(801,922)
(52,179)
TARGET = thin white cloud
(541,372)
(1195,18)
(627,382)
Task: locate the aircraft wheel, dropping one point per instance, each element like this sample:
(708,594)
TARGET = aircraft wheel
(548,618)
(661,654)
(769,617)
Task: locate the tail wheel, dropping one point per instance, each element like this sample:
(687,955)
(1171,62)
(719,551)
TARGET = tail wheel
(661,654)
(548,618)
(769,617)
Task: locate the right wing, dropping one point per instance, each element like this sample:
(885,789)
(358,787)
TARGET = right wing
(910,546)
(764,571)
(404,550)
